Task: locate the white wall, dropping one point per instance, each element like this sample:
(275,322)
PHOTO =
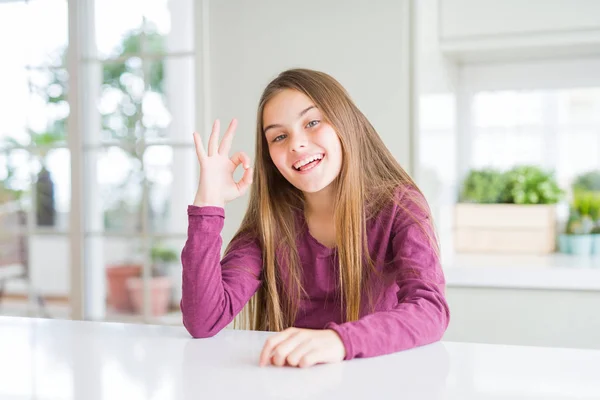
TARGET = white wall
(552,318)
(362,44)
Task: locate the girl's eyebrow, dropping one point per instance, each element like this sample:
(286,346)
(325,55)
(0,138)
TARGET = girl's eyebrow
(307,109)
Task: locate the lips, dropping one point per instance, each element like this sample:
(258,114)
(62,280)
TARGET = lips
(306,161)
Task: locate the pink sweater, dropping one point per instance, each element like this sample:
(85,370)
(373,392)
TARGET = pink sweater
(409,305)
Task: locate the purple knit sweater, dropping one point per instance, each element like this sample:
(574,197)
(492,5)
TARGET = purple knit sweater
(407,306)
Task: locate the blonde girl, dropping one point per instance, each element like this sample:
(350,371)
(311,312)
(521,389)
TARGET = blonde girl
(337,252)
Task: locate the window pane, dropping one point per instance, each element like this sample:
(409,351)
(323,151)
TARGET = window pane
(151,98)
(169,104)
(156,117)
(32,73)
(15,174)
(48,32)
(47,258)
(505,148)
(50,271)
(118,27)
(52,173)
(579,106)
(507,108)
(120,101)
(123,260)
(167,27)
(14,22)
(173,21)
(41,29)
(40,182)
(172,181)
(580,152)
(556,129)
(116,194)
(14,100)
(165,290)
(47,107)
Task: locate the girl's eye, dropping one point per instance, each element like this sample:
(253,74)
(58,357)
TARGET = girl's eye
(278,138)
(312,123)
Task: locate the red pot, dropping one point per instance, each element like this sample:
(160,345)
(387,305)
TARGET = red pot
(117,276)
(160,294)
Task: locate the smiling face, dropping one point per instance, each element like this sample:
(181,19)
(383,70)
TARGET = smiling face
(303,146)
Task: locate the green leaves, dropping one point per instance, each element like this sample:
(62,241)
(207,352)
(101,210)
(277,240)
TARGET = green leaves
(521,185)
(483,186)
(585,212)
(531,185)
(163,254)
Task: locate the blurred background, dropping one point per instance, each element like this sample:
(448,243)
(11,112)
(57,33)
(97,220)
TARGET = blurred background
(493,106)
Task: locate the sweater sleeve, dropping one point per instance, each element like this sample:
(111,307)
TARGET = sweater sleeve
(421,315)
(214,291)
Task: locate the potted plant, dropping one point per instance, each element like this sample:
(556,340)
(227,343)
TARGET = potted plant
(117,275)
(582,227)
(579,231)
(483,186)
(160,282)
(595,215)
(512,211)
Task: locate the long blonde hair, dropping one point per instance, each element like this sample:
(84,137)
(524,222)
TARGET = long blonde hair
(369,179)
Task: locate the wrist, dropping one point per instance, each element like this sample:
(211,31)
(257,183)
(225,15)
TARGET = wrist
(208,204)
(203,202)
(342,346)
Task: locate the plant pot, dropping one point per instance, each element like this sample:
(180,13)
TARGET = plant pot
(160,294)
(581,245)
(117,276)
(596,244)
(564,243)
(504,228)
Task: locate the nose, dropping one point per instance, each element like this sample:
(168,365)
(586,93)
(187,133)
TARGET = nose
(298,141)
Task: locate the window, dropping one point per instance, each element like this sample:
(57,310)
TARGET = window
(135,106)
(500,115)
(139,159)
(558,129)
(34,158)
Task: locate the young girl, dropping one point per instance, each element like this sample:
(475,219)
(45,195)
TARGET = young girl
(337,250)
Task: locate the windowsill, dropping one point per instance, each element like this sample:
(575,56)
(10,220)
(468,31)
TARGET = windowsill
(551,272)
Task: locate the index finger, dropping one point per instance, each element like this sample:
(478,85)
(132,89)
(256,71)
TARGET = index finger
(228,138)
(271,343)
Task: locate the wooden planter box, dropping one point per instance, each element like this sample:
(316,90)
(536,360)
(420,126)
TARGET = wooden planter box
(504,228)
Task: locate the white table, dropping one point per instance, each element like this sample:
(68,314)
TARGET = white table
(53,359)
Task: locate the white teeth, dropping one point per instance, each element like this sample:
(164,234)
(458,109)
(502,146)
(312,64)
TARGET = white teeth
(302,163)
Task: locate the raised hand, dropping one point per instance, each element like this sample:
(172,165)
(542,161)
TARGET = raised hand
(217,186)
